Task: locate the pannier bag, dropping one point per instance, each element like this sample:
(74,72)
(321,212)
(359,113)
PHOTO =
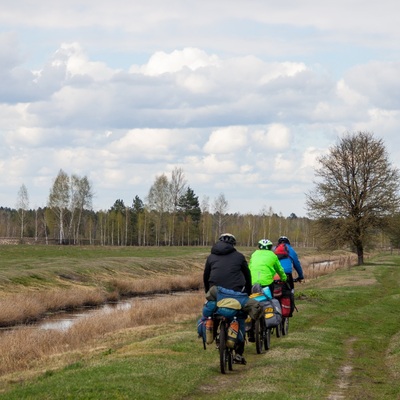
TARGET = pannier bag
(272,313)
(201,328)
(233,332)
(209,308)
(287,303)
(281,289)
(278,287)
(286,307)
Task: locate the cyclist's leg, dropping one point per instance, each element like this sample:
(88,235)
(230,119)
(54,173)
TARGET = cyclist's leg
(239,348)
(291,285)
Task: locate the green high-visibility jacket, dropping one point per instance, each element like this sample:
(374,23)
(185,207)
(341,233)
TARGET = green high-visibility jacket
(264,265)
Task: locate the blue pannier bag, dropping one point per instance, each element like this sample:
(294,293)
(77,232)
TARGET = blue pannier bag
(209,308)
(230,302)
(201,328)
(223,293)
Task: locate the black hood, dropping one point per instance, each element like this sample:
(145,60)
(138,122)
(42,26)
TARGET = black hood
(222,248)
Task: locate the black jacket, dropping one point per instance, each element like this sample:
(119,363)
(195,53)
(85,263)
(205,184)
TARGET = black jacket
(227,267)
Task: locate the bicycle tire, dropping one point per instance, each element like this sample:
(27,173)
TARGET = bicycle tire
(279,330)
(267,338)
(258,334)
(285,326)
(223,350)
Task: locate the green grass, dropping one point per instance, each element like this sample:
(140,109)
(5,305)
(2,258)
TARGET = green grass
(38,266)
(348,319)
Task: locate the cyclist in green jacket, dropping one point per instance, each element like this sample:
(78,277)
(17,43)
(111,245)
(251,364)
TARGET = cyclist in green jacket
(264,265)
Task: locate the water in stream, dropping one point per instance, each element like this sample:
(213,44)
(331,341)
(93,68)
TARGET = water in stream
(63,320)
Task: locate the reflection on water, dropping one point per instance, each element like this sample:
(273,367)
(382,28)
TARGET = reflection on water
(62,321)
(323,263)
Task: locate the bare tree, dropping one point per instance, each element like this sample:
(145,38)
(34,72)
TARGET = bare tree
(59,200)
(205,220)
(82,199)
(159,201)
(177,189)
(220,208)
(22,206)
(357,189)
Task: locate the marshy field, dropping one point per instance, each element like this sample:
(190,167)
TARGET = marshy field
(344,343)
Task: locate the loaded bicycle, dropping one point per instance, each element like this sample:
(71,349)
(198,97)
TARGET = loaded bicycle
(261,329)
(224,331)
(226,350)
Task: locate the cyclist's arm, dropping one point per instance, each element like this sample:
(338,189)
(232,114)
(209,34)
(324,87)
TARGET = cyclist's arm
(279,270)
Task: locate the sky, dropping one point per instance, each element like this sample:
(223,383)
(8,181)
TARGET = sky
(243,96)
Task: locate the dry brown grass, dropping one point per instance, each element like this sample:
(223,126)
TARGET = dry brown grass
(157,284)
(22,348)
(324,264)
(32,305)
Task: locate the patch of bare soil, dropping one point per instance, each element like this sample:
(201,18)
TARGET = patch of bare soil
(343,382)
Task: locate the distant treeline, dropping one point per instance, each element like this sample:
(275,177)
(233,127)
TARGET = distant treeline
(140,226)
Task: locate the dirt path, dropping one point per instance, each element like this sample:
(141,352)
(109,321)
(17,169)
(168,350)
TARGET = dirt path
(343,382)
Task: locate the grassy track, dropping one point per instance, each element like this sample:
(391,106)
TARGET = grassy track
(343,344)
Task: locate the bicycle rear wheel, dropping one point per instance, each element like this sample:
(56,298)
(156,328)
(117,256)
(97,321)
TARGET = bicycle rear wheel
(258,334)
(279,330)
(285,326)
(225,360)
(267,338)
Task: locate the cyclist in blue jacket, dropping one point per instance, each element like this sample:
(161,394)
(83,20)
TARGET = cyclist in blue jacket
(290,261)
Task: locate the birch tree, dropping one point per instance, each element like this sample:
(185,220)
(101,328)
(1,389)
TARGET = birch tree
(177,188)
(59,200)
(22,206)
(159,201)
(220,208)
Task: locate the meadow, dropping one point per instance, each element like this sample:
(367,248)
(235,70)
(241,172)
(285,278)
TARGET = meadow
(344,341)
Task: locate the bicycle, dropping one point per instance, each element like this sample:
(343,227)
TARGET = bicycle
(226,344)
(283,328)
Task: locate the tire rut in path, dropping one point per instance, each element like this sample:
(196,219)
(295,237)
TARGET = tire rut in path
(343,382)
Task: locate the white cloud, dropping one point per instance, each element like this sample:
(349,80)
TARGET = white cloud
(227,140)
(283,166)
(77,63)
(122,92)
(190,58)
(148,144)
(276,137)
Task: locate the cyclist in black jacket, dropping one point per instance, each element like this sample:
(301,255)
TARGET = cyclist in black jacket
(227,267)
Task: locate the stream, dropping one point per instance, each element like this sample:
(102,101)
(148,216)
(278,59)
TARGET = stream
(63,320)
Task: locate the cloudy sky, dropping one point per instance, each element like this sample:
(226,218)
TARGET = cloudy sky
(242,95)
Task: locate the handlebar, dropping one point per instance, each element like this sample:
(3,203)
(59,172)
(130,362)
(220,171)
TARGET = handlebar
(294,280)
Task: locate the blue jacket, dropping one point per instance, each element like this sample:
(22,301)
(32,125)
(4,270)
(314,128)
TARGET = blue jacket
(292,262)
